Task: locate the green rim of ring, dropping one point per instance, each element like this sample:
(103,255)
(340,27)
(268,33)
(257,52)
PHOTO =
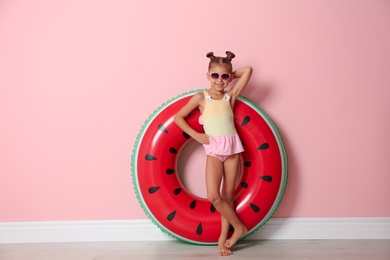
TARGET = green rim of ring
(283,155)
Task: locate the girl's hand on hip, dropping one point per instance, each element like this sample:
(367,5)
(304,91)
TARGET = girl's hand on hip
(202,138)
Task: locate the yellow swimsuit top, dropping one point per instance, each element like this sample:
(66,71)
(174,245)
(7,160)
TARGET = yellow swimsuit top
(217,116)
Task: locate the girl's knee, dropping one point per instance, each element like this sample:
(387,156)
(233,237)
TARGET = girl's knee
(228,198)
(214,198)
(228,195)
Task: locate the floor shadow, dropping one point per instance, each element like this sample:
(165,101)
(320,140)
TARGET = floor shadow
(245,244)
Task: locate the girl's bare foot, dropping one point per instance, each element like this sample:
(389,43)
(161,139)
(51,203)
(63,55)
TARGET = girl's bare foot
(223,250)
(236,235)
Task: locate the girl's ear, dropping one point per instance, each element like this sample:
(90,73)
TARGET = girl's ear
(207,75)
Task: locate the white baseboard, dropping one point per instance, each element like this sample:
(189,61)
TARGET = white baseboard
(145,230)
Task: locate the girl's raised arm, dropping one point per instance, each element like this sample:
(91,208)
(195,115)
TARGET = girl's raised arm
(243,75)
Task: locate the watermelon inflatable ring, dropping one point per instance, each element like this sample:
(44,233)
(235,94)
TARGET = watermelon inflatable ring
(185,216)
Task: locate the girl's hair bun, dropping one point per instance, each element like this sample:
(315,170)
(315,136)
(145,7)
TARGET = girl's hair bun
(224,61)
(210,55)
(230,55)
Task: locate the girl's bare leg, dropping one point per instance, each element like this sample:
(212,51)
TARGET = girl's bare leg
(231,173)
(227,195)
(214,174)
(223,250)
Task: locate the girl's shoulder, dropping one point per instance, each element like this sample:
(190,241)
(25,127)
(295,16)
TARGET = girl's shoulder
(197,99)
(199,95)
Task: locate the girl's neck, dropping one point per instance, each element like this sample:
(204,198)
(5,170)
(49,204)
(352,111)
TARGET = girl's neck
(216,95)
(216,92)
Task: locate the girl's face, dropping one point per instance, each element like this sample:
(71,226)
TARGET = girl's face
(219,77)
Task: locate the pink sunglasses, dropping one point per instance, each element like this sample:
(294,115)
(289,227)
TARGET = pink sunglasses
(215,75)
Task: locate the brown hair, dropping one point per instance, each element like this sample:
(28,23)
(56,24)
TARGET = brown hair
(224,61)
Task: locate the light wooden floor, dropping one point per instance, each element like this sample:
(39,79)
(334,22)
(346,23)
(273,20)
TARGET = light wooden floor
(265,249)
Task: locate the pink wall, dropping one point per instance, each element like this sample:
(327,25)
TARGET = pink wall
(79,78)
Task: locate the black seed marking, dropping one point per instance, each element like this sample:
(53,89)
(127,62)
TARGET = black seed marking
(171,215)
(186,136)
(170,171)
(245,120)
(199,229)
(247,164)
(152,190)
(162,128)
(172,150)
(212,208)
(244,185)
(150,157)
(264,146)
(254,207)
(266,178)
(177,191)
(193,204)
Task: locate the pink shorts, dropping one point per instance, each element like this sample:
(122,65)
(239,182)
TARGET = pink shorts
(222,147)
(222,158)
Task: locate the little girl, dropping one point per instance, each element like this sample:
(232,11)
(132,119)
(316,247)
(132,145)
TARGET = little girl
(220,140)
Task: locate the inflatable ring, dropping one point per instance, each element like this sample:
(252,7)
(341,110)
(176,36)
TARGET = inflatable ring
(185,216)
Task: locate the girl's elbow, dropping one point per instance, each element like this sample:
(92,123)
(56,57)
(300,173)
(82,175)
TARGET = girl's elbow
(176,119)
